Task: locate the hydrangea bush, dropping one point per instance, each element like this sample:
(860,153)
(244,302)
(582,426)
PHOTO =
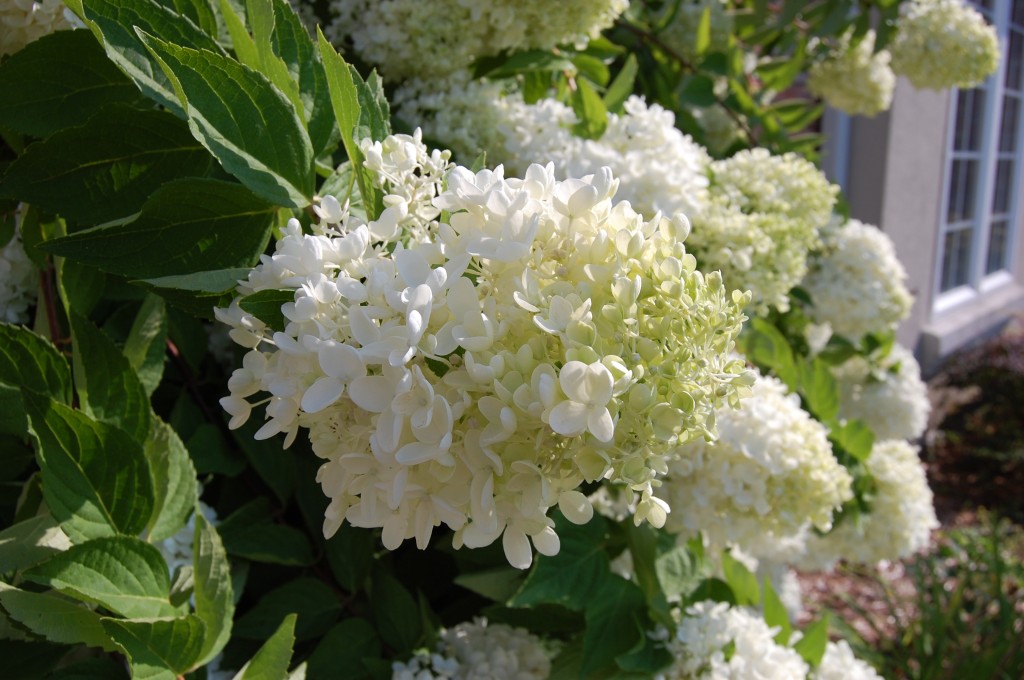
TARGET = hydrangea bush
(299,386)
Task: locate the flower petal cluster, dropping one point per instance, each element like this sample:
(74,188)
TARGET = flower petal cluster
(941,44)
(717,642)
(769,473)
(762,218)
(658,167)
(681,32)
(479,651)
(405,38)
(857,283)
(901,519)
(18,280)
(24,21)
(855,79)
(483,347)
(888,394)
(839,663)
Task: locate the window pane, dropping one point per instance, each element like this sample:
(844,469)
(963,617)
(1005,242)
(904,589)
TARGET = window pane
(956,258)
(1004,178)
(1009,125)
(1018,12)
(1014,60)
(962,190)
(997,237)
(969,113)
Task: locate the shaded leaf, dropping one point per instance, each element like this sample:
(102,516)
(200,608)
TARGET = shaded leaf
(176,489)
(214,599)
(31,542)
(157,645)
(272,659)
(312,601)
(54,618)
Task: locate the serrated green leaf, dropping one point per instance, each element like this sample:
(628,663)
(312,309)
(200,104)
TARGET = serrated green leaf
(679,571)
(613,627)
(243,120)
(115,23)
(622,87)
(196,293)
(272,660)
(819,389)
(59,82)
(156,646)
(853,437)
(54,618)
(80,286)
(176,490)
(714,589)
(31,362)
(265,305)
(812,645)
(214,600)
(571,577)
(30,542)
(591,115)
(741,580)
(13,420)
(95,477)
(107,168)
(767,347)
(107,387)
(315,604)
(344,646)
(200,12)
(145,347)
(122,573)
(188,226)
(396,613)
(250,532)
(775,613)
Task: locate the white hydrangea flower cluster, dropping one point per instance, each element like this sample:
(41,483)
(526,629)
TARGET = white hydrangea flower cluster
(887,394)
(857,80)
(941,44)
(478,651)
(840,663)
(680,34)
(902,515)
(857,283)
(717,642)
(761,220)
(658,167)
(23,21)
(475,372)
(406,38)
(18,280)
(769,473)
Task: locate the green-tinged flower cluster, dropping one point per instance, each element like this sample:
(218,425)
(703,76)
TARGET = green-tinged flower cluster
(770,472)
(485,346)
(855,79)
(941,44)
(856,282)
(902,516)
(23,21)
(762,219)
(405,38)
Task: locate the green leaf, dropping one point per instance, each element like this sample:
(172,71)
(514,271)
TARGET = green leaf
(59,82)
(591,116)
(146,347)
(122,573)
(244,121)
(249,532)
(214,600)
(396,613)
(698,90)
(812,645)
(210,452)
(109,390)
(30,542)
(498,584)
(196,293)
(714,589)
(315,604)
(643,547)
(344,646)
(273,465)
(81,287)
(13,420)
(767,347)
(571,577)
(703,38)
(741,580)
(679,571)
(54,618)
(350,556)
(199,12)
(176,489)
(187,226)
(155,646)
(613,624)
(31,362)
(622,87)
(854,437)
(107,168)
(114,22)
(272,659)
(775,613)
(819,389)
(265,305)
(96,480)
(530,61)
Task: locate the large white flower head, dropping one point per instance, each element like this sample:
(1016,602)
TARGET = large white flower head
(681,32)
(769,473)
(24,21)
(18,278)
(717,642)
(854,79)
(839,663)
(941,44)
(475,371)
(887,394)
(406,38)
(902,515)
(479,651)
(761,221)
(657,166)
(856,282)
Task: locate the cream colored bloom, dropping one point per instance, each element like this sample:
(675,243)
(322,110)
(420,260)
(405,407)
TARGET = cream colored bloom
(856,80)
(24,21)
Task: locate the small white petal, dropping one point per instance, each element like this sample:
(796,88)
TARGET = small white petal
(568,418)
(517,548)
(576,507)
(547,542)
(322,394)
